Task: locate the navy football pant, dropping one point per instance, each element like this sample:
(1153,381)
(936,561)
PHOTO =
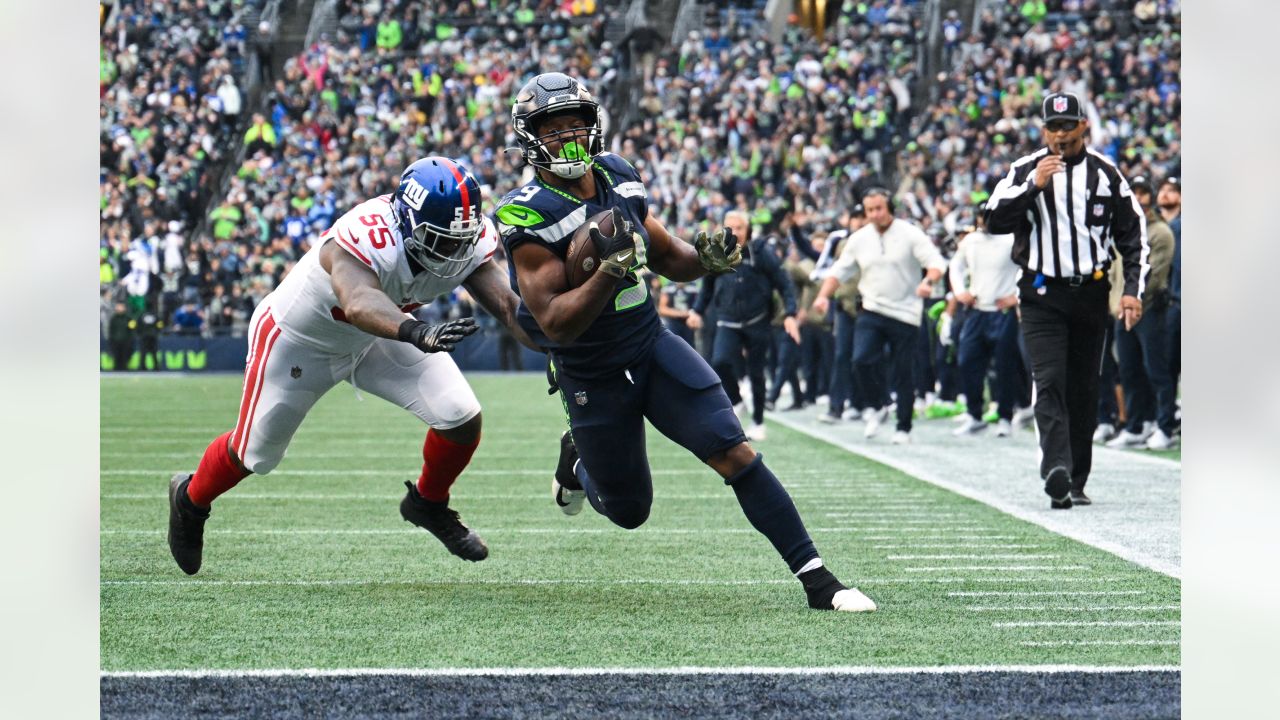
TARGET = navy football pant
(729,346)
(681,396)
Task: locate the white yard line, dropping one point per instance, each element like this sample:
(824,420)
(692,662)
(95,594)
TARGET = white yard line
(1071,608)
(1023,593)
(865,582)
(1077,643)
(1136,510)
(732,670)
(954,546)
(1010,556)
(1086,623)
(1001,568)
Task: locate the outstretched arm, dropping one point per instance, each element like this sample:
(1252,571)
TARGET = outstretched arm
(670,256)
(488,285)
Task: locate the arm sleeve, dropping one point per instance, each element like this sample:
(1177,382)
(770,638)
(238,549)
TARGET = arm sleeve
(803,244)
(1013,196)
(1129,228)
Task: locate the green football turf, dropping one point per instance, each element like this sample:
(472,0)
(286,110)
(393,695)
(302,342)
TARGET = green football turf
(312,566)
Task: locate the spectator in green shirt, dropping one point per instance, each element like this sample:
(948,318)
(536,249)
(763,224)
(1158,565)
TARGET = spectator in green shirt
(260,135)
(1034,11)
(226,220)
(389,33)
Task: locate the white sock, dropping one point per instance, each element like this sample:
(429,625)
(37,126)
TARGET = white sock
(814,563)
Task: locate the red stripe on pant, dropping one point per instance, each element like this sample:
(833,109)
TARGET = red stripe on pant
(253,378)
(253,409)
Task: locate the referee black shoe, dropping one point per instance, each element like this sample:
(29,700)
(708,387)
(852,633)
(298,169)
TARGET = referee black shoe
(1058,487)
(437,519)
(186,525)
(1079,498)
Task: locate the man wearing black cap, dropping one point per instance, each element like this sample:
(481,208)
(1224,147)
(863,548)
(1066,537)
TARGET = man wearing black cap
(1071,213)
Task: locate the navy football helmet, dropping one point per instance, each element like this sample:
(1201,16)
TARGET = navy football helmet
(437,209)
(552,94)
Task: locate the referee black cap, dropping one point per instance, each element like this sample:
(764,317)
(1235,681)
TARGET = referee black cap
(1061,106)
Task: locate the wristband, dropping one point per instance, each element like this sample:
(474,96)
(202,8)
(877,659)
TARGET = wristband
(411,330)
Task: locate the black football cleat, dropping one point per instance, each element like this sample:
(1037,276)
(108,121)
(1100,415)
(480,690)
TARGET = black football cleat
(1058,487)
(565,488)
(186,525)
(825,592)
(439,520)
(1079,498)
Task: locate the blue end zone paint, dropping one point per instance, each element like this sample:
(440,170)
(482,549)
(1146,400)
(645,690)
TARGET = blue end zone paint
(1115,695)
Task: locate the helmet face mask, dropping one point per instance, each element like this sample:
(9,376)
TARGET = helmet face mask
(548,96)
(437,209)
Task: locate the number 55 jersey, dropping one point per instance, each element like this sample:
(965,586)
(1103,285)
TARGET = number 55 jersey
(307,308)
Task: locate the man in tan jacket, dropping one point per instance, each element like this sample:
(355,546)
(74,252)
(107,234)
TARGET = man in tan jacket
(1142,354)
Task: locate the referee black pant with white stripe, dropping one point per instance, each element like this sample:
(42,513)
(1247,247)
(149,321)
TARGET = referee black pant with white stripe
(1065,328)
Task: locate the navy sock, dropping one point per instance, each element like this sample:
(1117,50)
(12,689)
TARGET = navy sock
(769,509)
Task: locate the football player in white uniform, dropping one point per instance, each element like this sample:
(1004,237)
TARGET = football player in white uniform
(341,314)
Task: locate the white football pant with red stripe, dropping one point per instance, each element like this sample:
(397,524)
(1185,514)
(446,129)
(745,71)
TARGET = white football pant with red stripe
(284,378)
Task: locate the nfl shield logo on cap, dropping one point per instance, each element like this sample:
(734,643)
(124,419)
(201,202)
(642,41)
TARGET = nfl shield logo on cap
(1061,106)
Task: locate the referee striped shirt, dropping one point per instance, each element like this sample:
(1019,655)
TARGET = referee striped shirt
(1075,225)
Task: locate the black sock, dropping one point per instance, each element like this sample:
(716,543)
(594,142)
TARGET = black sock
(188,504)
(769,509)
(820,585)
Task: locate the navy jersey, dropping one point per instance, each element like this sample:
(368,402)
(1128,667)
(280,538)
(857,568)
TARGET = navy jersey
(627,327)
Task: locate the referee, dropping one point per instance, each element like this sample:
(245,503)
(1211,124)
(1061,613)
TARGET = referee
(1071,213)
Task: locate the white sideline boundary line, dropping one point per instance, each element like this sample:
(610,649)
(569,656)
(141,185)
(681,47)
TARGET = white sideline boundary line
(928,475)
(636,671)
(866,582)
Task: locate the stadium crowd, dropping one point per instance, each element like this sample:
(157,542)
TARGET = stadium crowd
(790,132)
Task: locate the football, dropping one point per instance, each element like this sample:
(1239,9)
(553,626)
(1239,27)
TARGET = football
(581,259)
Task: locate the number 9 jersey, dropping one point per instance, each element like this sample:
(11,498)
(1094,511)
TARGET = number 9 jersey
(306,306)
(628,326)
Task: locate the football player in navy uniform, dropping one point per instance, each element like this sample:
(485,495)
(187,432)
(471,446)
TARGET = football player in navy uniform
(612,360)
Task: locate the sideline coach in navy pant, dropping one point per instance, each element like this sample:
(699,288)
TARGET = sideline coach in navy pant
(743,306)
(1071,212)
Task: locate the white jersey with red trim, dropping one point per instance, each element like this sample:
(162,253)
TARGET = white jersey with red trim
(306,306)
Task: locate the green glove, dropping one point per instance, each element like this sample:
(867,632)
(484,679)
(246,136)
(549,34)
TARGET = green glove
(718,253)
